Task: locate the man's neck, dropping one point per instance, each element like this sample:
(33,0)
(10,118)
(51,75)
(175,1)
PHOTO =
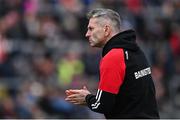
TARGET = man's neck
(110,36)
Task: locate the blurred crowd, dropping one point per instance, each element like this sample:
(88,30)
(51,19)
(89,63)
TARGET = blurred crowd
(43,52)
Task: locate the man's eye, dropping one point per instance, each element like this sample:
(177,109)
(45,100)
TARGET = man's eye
(90,29)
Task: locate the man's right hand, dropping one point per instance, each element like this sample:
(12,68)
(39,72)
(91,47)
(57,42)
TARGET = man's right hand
(77,96)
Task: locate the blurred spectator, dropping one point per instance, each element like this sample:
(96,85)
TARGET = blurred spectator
(174,85)
(8,107)
(68,68)
(6,66)
(91,61)
(175,40)
(44,66)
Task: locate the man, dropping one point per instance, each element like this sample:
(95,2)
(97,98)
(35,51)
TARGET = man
(126,88)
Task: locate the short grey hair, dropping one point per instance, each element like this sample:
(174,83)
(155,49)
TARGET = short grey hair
(109,14)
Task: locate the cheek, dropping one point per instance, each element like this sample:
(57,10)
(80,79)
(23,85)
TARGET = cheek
(98,35)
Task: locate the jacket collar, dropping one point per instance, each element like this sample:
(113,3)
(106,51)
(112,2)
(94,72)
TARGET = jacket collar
(125,40)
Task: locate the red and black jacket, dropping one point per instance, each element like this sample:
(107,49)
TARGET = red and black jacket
(126,88)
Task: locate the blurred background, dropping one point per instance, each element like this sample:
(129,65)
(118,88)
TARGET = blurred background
(43,52)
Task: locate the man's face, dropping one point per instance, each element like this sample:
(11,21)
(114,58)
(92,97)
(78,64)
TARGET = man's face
(95,33)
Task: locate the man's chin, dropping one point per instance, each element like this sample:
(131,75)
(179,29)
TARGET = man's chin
(95,46)
(92,45)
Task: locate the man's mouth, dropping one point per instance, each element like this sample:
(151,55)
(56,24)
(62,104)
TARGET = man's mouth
(90,41)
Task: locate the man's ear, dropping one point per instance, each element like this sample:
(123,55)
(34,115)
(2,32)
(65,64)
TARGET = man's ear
(107,30)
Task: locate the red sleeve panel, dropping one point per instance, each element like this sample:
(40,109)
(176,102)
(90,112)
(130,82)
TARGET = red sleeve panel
(112,71)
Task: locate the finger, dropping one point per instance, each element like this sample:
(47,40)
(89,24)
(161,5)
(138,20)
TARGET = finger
(77,103)
(72,101)
(68,92)
(74,91)
(68,99)
(73,96)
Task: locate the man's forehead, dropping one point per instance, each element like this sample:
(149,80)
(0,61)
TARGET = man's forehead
(98,20)
(93,20)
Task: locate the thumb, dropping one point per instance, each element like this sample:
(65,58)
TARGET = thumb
(84,87)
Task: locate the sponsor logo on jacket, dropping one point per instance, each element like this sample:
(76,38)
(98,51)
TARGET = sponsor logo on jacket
(142,73)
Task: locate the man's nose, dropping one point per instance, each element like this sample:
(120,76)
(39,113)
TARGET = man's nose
(87,34)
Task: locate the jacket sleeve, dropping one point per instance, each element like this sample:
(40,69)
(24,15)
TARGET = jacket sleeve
(112,72)
(103,102)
